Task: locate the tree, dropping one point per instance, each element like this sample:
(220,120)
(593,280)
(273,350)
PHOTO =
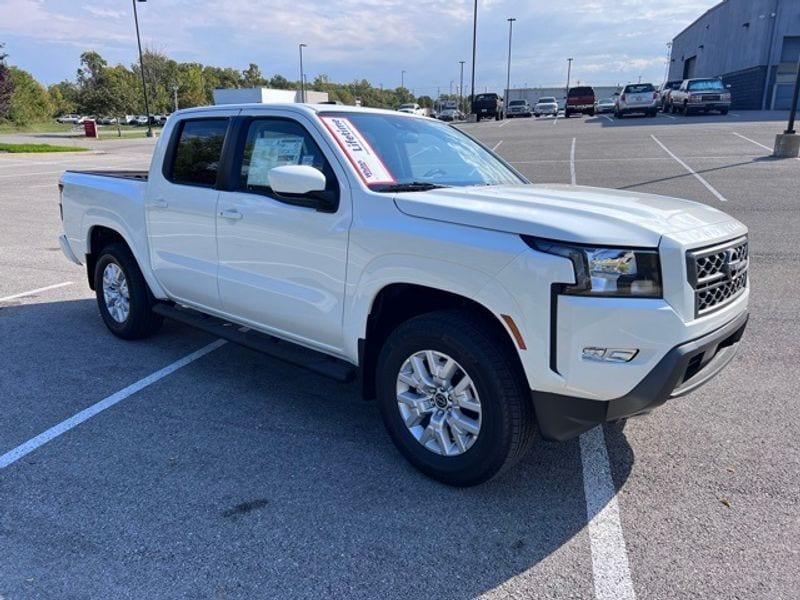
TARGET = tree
(252,77)
(6,86)
(30,102)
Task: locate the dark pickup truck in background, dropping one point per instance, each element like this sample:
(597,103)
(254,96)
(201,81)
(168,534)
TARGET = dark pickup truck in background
(488,106)
(580,100)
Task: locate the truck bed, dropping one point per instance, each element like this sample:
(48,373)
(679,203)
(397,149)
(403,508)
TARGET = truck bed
(129,174)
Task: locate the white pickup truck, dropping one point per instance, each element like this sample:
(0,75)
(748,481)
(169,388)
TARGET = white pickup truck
(476,307)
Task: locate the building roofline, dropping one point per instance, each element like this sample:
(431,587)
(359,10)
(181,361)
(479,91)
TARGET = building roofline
(698,19)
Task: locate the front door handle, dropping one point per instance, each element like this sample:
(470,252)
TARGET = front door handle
(231,213)
(160,203)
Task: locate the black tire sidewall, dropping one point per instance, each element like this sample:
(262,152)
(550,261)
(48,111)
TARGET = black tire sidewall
(490,450)
(141,321)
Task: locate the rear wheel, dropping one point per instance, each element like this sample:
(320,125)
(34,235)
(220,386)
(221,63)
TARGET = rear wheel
(124,300)
(723,112)
(453,398)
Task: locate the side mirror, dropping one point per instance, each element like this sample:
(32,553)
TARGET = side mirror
(296,180)
(303,185)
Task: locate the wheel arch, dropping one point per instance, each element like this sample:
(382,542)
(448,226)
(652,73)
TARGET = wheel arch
(396,303)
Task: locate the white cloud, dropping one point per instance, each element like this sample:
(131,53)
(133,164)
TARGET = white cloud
(350,39)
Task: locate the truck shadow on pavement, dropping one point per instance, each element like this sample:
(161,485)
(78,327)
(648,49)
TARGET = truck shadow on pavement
(240,476)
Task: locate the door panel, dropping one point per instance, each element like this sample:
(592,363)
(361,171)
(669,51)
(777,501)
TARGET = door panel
(181,214)
(282,266)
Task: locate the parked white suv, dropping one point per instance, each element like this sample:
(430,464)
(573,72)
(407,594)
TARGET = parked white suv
(546,106)
(477,307)
(639,98)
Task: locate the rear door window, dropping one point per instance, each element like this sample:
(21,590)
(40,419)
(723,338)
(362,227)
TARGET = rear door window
(643,88)
(198,151)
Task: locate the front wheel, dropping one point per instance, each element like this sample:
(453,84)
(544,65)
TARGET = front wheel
(124,300)
(453,397)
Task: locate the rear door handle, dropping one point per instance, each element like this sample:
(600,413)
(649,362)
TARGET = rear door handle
(160,203)
(231,213)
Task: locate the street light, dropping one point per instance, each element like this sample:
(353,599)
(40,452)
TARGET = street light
(141,68)
(474,47)
(302,75)
(402,79)
(508,75)
(461,87)
(569,73)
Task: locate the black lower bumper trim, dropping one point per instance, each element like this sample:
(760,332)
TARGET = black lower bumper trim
(682,370)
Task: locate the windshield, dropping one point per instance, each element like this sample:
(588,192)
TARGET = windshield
(641,88)
(706,84)
(547,100)
(419,152)
(607,101)
(408,106)
(517,103)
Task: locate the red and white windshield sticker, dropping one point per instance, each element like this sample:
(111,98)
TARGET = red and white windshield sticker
(368,164)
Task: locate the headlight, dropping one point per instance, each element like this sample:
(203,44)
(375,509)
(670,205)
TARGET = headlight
(628,272)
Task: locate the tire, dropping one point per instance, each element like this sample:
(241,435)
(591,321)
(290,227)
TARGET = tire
(723,112)
(685,111)
(536,115)
(567,114)
(619,114)
(138,321)
(506,422)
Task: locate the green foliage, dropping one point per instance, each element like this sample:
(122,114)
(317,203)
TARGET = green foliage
(100,89)
(30,102)
(37,148)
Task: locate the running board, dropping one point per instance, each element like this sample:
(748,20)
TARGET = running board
(260,342)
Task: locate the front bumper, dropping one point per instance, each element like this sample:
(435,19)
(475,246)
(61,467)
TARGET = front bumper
(682,370)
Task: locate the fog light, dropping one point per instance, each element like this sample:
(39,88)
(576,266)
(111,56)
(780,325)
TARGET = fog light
(614,355)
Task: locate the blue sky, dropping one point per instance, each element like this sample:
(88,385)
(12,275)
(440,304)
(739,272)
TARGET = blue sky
(612,41)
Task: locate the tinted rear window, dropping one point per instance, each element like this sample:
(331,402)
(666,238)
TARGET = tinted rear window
(581,91)
(517,103)
(641,88)
(547,100)
(198,152)
(480,97)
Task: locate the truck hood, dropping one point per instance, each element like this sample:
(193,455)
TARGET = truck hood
(576,214)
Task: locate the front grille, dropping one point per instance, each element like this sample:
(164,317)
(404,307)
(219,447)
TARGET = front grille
(711,98)
(718,274)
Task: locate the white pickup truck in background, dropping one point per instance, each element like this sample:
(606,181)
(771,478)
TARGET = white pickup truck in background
(477,307)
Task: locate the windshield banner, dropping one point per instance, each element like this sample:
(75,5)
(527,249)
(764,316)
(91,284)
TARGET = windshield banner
(368,164)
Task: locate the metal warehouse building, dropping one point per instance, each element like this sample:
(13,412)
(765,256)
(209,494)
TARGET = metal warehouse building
(754,45)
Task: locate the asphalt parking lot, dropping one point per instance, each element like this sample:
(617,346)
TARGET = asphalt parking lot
(238,476)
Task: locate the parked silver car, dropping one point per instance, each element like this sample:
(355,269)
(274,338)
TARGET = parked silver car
(518,108)
(637,98)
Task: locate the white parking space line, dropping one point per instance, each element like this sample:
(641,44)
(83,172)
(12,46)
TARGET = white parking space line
(573,178)
(555,120)
(752,141)
(26,448)
(497,145)
(612,577)
(667,116)
(36,291)
(505,122)
(699,178)
(607,118)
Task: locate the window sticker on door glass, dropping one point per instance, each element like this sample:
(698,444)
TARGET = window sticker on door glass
(271,152)
(368,164)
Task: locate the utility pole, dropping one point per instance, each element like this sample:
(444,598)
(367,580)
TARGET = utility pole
(175,94)
(402,79)
(141,68)
(302,75)
(569,73)
(474,48)
(461,87)
(508,74)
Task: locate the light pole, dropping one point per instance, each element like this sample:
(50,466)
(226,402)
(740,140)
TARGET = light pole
(302,75)
(787,144)
(569,71)
(508,74)
(402,79)
(175,93)
(474,48)
(141,68)
(461,87)
(790,129)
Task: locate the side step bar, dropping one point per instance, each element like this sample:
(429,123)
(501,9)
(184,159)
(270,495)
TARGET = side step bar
(261,342)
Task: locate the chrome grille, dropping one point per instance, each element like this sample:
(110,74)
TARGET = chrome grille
(718,274)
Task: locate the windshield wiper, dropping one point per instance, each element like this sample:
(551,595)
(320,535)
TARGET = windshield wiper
(410,186)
